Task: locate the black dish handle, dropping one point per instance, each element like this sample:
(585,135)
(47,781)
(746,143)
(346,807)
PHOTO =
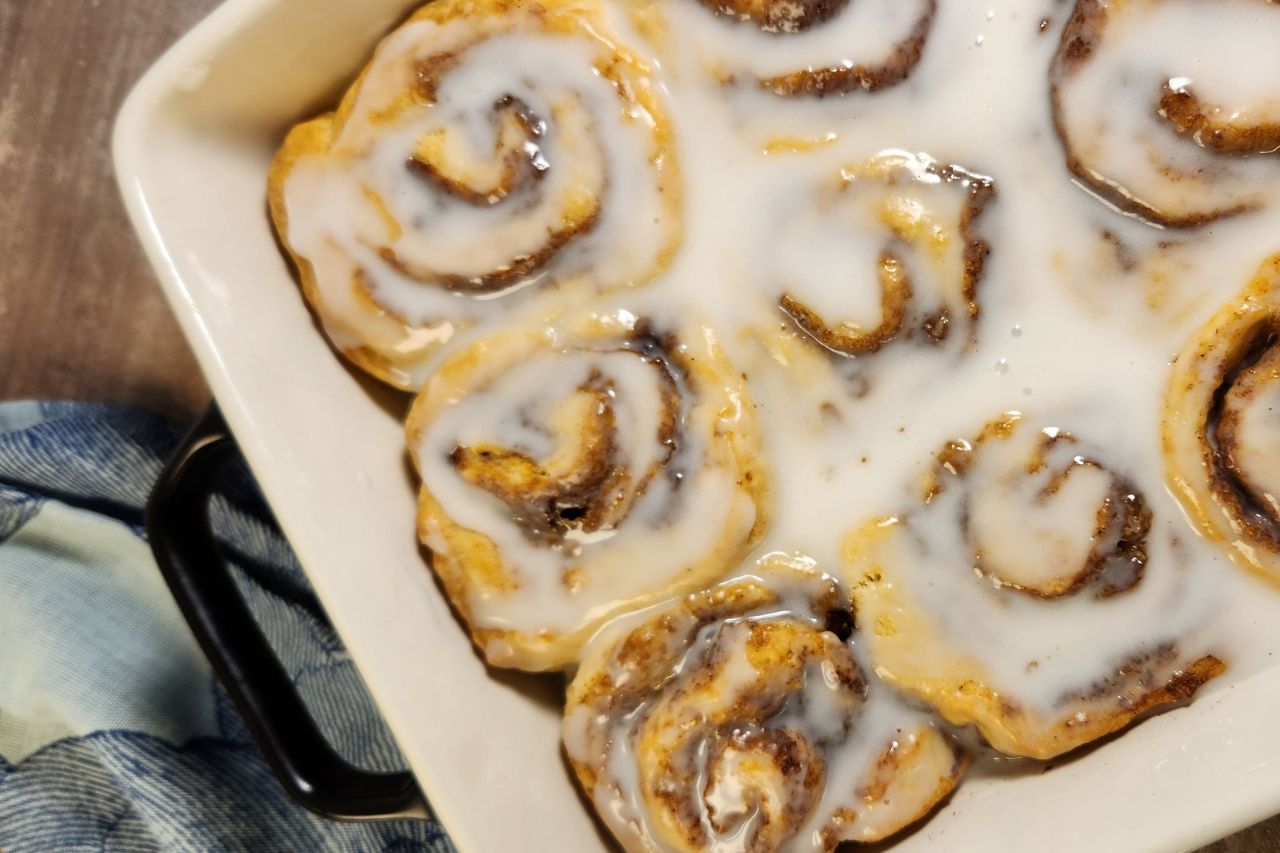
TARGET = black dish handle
(306,765)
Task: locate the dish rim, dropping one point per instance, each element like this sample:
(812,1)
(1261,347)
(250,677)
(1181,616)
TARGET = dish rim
(1195,816)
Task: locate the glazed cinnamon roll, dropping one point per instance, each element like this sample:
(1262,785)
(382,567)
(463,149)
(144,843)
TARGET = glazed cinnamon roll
(491,151)
(813,48)
(738,718)
(908,229)
(575,471)
(1220,439)
(1032,593)
(1159,125)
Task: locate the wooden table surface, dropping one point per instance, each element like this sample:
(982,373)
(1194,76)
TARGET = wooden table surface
(81,315)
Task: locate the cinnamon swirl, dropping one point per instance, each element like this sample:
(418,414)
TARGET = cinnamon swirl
(914,226)
(1026,543)
(1156,125)
(739,718)
(573,472)
(813,48)
(491,151)
(1220,439)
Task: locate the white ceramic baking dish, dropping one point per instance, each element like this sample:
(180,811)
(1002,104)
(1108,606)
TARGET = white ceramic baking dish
(191,149)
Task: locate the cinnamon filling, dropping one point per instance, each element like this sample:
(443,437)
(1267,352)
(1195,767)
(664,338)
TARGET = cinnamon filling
(1202,122)
(1250,500)
(516,148)
(779,16)
(1116,556)
(839,79)
(586,486)
(909,241)
(1181,110)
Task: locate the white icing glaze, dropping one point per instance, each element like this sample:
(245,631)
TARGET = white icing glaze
(861,33)
(1036,651)
(626,435)
(1111,102)
(681,729)
(1068,334)
(1081,310)
(580,157)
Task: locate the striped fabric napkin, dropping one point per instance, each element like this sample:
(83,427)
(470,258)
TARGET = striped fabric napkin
(114,733)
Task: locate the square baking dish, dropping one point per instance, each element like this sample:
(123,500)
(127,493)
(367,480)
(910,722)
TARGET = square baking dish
(192,146)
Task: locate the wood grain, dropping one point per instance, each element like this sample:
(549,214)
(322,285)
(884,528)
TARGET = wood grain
(80,313)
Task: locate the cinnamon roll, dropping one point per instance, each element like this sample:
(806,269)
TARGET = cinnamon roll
(908,231)
(1220,439)
(814,48)
(491,151)
(1160,126)
(572,472)
(738,718)
(1032,593)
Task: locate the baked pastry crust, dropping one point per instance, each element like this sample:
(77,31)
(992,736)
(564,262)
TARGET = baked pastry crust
(739,714)
(809,49)
(1031,530)
(646,481)
(404,233)
(1218,443)
(1182,162)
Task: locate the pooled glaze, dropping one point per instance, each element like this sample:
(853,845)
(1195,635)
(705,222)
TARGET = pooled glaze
(1078,323)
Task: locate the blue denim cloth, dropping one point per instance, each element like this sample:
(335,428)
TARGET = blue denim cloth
(114,733)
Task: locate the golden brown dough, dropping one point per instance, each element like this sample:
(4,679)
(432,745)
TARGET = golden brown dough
(1181,161)
(405,227)
(574,472)
(737,715)
(1021,535)
(1220,440)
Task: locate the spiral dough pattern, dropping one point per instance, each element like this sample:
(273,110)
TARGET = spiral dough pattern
(738,718)
(1026,543)
(556,463)
(492,152)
